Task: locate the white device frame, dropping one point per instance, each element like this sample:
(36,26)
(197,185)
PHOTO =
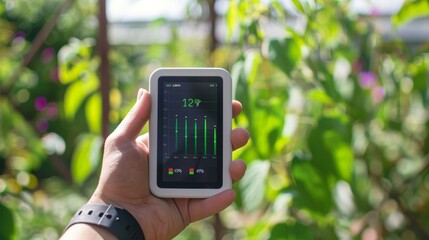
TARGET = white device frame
(153,130)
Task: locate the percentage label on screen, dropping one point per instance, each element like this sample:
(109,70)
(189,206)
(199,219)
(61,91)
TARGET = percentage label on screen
(200,170)
(178,170)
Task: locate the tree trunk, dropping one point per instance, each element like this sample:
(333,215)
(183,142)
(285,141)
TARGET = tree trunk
(103,51)
(213,17)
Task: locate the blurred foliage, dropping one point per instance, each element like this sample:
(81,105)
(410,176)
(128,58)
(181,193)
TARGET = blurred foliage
(337,114)
(340,117)
(411,10)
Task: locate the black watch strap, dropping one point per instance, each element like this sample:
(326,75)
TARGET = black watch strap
(117,220)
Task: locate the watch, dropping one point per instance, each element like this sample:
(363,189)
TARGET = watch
(116,219)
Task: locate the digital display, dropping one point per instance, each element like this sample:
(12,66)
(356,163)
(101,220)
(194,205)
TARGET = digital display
(190,132)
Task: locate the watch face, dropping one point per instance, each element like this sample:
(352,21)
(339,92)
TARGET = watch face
(190,132)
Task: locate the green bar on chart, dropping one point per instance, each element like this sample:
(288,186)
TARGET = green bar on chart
(176,132)
(205,135)
(214,140)
(195,136)
(186,134)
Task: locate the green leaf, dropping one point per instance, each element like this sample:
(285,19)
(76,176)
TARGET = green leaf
(77,92)
(1,8)
(6,67)
(328,26)
(331,160)
(7,226)
(298,6)
(253,184)
(341,153)
(252,64)
(411,10)
(312,188)
(232,18)
(93,113)
(285,53)
(86,157)
(278,8)
(243,74)
(318,95)
(12,124)
(284,231)
(75,60)
(67,75)
(266,128)
(419,73)
(329,144)
(239,81)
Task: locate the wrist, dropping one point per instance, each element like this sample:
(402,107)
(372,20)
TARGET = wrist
(141,212)
(101,199)
(117,220)
(87,231)
(97,198)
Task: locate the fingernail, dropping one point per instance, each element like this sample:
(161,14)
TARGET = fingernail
(140,94)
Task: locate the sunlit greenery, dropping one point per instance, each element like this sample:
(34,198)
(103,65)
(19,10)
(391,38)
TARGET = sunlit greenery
(338,118)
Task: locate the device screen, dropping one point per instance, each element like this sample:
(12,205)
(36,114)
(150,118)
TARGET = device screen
(190,132)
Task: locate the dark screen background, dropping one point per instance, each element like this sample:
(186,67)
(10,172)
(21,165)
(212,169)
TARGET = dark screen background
(190,132)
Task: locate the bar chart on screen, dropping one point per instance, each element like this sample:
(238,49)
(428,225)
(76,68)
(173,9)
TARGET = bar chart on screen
(190,122)
(193,136)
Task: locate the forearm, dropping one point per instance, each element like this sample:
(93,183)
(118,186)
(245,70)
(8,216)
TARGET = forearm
(87,231)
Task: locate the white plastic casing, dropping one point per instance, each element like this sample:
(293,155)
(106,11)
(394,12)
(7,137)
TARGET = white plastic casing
(153,127)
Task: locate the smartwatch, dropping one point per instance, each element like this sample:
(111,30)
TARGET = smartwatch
(113,218)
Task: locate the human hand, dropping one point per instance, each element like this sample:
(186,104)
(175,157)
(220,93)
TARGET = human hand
(124,178)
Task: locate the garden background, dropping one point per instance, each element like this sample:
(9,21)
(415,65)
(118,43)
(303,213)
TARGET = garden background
(337,108)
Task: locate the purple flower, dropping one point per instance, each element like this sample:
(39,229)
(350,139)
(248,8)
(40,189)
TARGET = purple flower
(51,110)
(367,79)
(18,40)
(42,125)
(54,74)
(378,94)
(375,12)
(20,34)
(47,55)
(40,103)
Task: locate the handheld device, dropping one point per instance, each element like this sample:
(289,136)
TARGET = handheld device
(190,127)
